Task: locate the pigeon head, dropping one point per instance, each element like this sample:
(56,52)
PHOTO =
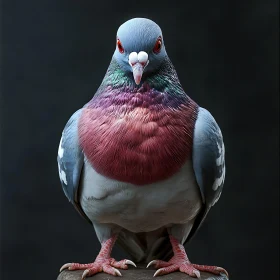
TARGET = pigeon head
(139,47)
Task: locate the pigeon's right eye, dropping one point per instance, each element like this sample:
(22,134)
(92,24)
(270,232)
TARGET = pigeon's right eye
(120,47)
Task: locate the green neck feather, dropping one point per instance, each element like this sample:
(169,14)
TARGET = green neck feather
(164,80)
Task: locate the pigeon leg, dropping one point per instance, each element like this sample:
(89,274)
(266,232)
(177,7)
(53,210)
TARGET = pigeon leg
(180,262)
(103,262)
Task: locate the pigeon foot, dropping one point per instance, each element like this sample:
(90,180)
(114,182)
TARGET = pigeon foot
(180,262)
(109,266)
(185,267)
(103,262)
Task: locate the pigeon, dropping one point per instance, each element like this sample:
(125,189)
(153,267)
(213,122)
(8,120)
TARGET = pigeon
(142,162)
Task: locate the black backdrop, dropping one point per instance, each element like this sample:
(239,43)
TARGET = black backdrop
(54,56)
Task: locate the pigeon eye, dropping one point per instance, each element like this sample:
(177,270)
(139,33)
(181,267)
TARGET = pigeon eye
(158,45)
(120,47)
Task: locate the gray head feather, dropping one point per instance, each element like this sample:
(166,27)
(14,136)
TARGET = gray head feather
(140,34)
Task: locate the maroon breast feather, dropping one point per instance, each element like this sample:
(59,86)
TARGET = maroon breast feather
(139,138)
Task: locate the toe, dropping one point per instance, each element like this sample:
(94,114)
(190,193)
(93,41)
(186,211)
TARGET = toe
(111,270)
(74,266)
(122,264)
(166,270)
(190,270)
(93,269)
(212,269)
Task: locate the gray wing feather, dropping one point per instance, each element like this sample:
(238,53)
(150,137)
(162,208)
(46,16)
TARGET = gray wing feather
(208,162)
(71,161)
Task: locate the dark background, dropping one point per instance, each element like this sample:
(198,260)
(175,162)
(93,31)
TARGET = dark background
(54,56)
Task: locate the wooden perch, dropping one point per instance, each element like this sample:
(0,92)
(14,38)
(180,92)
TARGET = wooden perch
(140,273)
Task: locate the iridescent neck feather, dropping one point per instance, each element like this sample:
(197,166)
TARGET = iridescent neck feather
(164,80)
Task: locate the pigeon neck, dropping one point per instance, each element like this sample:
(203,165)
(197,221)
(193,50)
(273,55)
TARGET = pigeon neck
(165,79)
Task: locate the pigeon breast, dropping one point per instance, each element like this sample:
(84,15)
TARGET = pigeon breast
(137,137)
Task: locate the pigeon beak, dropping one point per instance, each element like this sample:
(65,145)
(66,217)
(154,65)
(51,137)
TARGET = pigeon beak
(138,62)
(137,70)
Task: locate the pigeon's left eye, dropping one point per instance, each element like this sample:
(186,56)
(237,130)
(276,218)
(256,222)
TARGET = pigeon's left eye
(120,47)
(158,45)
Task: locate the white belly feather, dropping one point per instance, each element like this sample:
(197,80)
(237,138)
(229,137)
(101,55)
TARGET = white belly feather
(146,208)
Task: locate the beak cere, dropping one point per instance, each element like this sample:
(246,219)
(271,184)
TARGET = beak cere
(138,62)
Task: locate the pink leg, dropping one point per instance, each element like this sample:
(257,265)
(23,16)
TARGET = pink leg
(181,262)
(103,262)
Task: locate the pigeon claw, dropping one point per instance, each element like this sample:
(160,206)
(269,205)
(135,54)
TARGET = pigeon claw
(117,272)
(197,273)
(158,272)
(130,262)
(222,271)
(85,273)
(151,263)
(65,266)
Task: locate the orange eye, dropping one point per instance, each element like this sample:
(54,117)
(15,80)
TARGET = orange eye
(120,47)
(158,45)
